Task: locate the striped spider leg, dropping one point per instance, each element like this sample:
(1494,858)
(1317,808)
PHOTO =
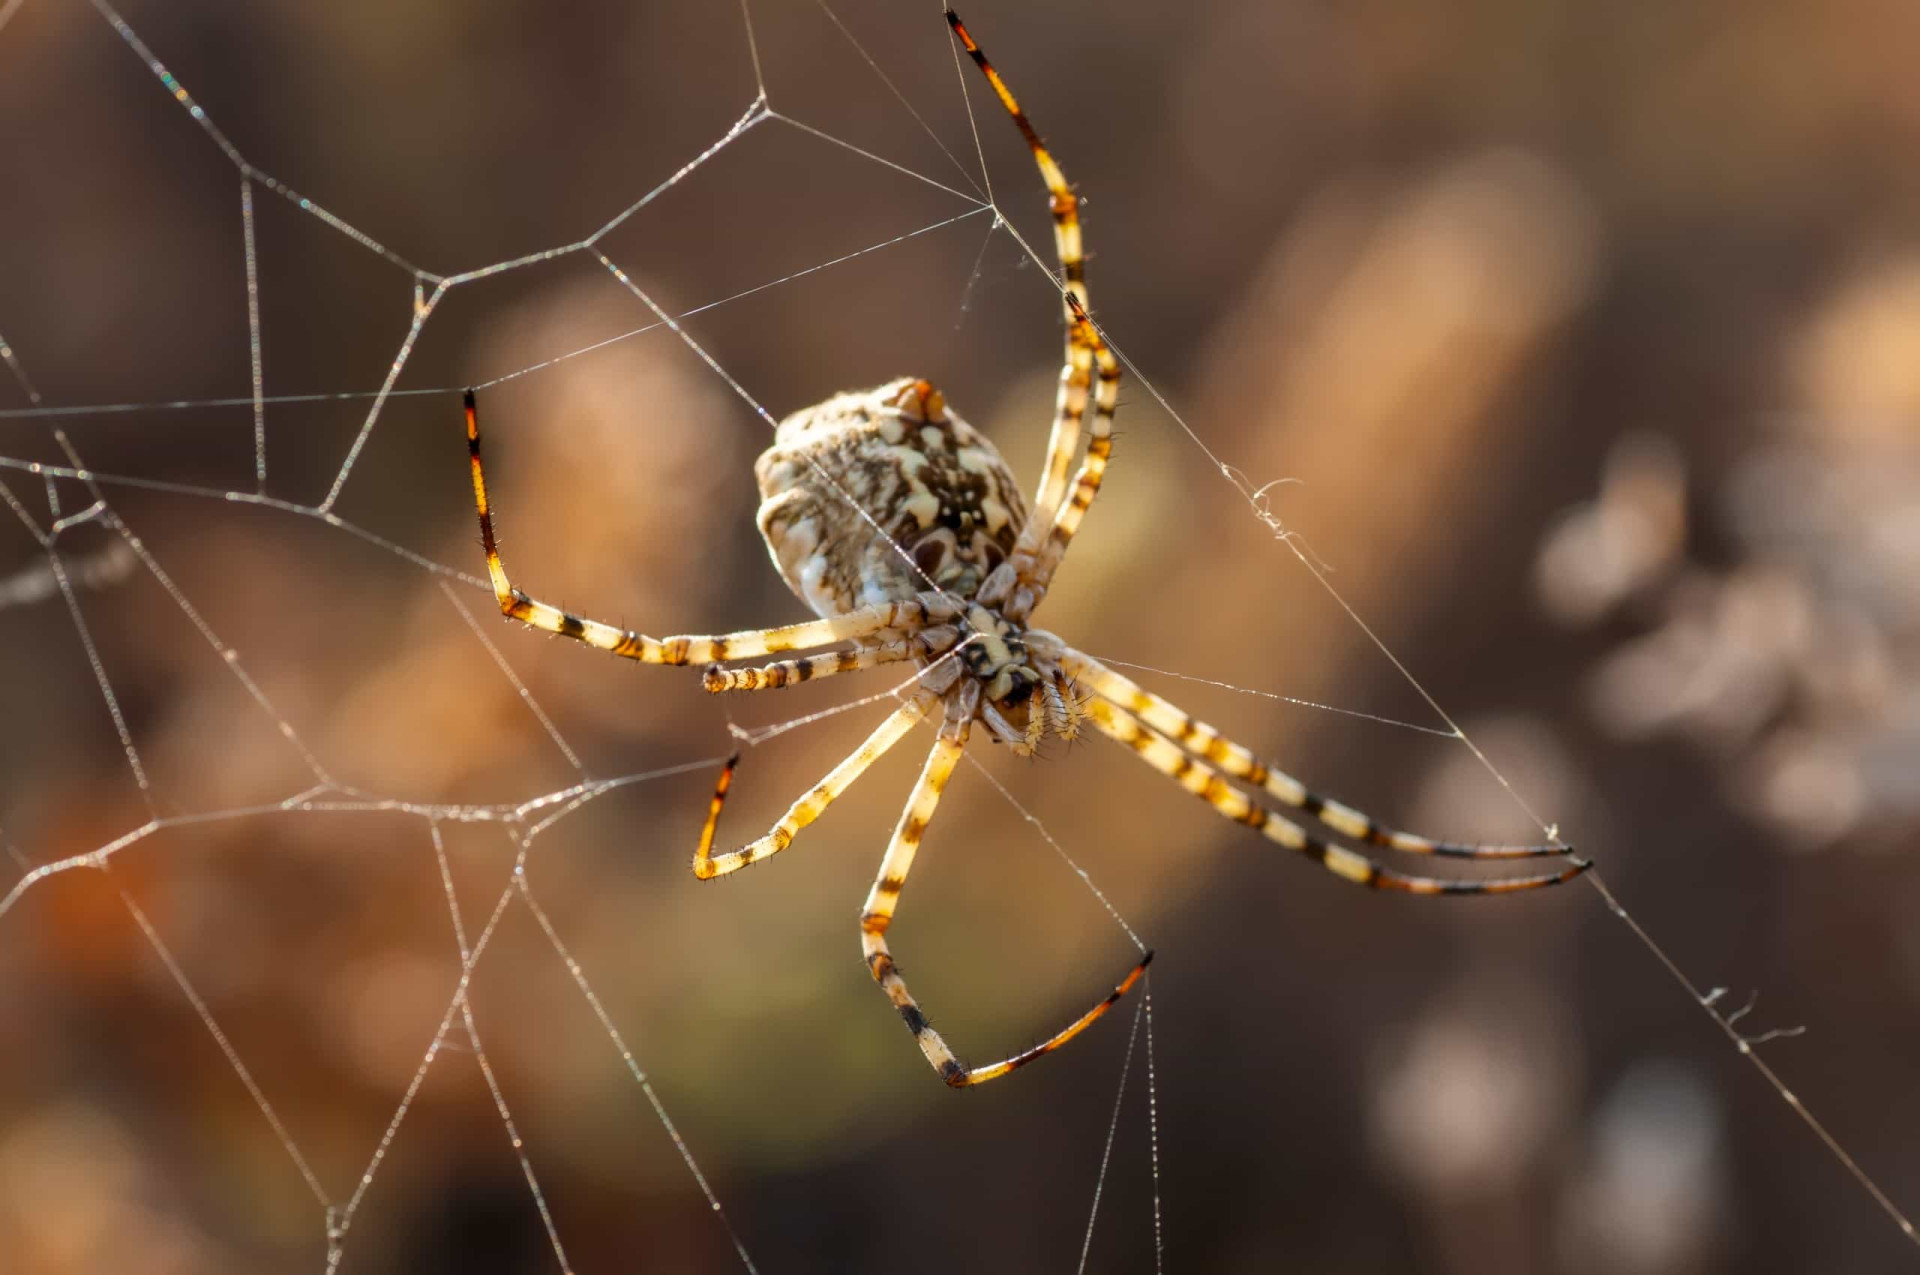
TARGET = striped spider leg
(1120,709)
(884,897)
(811,805)
(882,900)
(914,611)
(1043,541)
(1201,760)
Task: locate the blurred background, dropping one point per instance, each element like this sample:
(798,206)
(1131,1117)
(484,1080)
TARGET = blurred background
(1584,336)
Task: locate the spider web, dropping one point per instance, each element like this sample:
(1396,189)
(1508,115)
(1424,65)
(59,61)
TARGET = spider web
(446,816)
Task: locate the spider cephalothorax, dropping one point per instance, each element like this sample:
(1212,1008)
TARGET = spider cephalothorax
(885,495)
(902,529)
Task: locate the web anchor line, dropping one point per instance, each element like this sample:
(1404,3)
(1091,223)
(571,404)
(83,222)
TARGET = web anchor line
(1728,1026)
(1113,1129)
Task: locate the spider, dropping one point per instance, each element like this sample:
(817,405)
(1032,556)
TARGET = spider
(905,532)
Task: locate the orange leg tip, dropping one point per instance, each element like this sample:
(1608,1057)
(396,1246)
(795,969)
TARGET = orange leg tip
(1133,976)
(467,399)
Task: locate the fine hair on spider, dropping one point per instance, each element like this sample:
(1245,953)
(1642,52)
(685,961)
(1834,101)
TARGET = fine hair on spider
(903,530)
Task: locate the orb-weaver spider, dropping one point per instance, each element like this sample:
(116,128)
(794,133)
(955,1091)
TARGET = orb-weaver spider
(904,531)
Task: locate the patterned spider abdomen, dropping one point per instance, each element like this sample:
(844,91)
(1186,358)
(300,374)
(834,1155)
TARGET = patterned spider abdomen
(939,496)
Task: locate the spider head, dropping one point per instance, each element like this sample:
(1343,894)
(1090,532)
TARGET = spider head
(1023,696)
(1008,684)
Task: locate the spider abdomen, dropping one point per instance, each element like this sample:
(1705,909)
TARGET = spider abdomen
(870,495)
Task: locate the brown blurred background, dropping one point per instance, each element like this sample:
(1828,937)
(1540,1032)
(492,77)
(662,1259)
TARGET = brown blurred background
(1589,333)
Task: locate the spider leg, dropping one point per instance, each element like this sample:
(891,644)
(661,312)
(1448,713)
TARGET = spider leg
(1051,524)
(707,865)
(1198,737)
(885,896)
(913,614)
(1093,466)
(1208,784)
(769,677)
